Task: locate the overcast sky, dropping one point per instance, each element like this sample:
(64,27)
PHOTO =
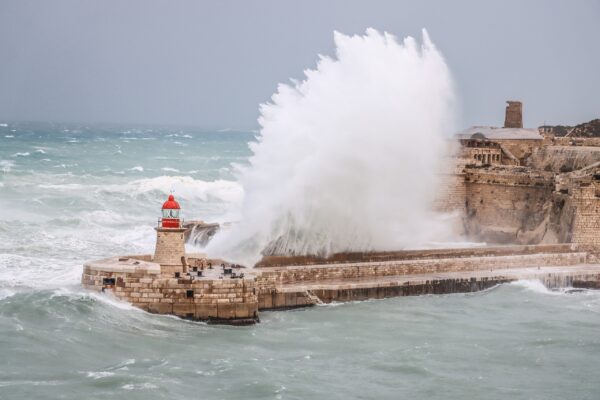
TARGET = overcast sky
(210,63)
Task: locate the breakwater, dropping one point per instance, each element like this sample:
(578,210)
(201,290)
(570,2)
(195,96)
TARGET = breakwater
(236,295)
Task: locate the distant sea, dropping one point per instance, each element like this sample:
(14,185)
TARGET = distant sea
(71,193)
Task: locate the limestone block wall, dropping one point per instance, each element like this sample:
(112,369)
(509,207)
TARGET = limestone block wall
(270,278)
(421,254)
(508,208)
(170,246)
(586,224)
(201,299)
(451,193)
(286,287)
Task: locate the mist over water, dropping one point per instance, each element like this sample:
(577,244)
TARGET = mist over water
(347,159)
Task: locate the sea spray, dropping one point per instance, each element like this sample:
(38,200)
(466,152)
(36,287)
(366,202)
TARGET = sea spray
(348,159)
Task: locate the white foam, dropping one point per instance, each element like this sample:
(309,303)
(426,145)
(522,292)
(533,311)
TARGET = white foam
(9,136)
(106,297)
(139,386)
(138,168)
(536,286)
(185,187)
(99,374)
(24,154)
(348,159)
(6,293)
(169,169)
(6,165)
(189,188)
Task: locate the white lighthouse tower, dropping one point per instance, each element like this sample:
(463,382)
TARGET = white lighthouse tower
(170,241)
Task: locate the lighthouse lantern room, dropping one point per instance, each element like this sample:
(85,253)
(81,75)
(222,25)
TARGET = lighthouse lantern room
(170,214)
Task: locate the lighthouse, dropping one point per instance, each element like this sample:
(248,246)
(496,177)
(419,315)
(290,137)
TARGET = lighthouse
(170,242)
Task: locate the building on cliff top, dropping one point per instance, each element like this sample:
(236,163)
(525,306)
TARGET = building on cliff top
(515,143)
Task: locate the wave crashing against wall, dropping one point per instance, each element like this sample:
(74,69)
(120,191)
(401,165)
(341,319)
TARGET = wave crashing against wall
(348,158)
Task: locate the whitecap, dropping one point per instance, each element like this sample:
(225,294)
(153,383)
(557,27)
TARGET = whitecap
(146,385)
(169,169)
(5,293)
(6,165)
(138,168)
(9,136)
(66,186)
(535,286)
(188,188)
(106,298)
(24,154)
(99,374)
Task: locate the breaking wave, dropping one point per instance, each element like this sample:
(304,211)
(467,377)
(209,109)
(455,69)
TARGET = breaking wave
(347,159)
(184,187)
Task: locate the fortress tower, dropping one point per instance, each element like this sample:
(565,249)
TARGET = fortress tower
(514,115)
(170,242)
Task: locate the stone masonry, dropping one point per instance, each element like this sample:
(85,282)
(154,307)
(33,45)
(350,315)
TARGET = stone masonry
(170,247)
(514,115)
(206,298)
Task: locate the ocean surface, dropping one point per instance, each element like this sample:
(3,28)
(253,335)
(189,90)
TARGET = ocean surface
(71,193)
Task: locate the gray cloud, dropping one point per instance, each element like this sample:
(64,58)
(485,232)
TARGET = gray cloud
(210,64)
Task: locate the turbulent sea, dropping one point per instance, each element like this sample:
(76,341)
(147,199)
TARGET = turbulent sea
(73,193)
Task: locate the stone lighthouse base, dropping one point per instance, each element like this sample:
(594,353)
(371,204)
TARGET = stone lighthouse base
(212,297)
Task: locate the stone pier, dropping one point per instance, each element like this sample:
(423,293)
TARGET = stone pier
(219,296)
(380,275)
(212,297)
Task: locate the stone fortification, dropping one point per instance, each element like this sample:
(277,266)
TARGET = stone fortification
(507,185)
(507,205)
(208,298)
(514,115)
(422,254)
(540,190)
(460,270)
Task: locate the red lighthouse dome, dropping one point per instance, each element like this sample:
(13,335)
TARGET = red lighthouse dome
(170,213)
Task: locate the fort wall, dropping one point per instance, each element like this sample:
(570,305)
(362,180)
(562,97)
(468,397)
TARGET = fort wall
(273,277)
(586,222)
(142,285)
(302,285)
(451,193)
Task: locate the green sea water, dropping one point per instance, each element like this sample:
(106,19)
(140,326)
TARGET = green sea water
(71,193)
